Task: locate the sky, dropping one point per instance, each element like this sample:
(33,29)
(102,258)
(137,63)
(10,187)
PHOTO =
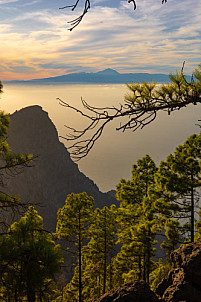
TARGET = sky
(156,38)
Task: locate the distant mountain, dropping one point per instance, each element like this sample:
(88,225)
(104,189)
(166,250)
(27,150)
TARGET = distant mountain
(107,76)
(108,71)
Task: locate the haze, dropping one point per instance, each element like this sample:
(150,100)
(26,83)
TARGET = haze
(115,152)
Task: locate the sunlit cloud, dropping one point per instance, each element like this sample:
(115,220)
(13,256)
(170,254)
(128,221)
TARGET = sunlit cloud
(154,38)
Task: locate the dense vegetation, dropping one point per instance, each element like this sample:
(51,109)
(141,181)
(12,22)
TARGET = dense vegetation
(29,259)
(110,246)
(115,245)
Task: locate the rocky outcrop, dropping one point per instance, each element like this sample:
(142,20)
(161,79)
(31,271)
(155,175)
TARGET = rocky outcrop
(184,282)
(133,291)
(53,175)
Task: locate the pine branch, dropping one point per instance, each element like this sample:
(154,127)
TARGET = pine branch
(134,114)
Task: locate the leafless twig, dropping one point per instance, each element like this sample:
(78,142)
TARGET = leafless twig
(137,111)
(87,5)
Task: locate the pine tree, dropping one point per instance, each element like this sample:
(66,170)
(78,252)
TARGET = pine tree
(179,177)
(96,257)
(140,107)
(173,237)
(134,190)
(137,221)
(73,224)
(29,259)
(159,273)
(100,247)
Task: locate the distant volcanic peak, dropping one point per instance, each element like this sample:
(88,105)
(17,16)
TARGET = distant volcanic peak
(108,71)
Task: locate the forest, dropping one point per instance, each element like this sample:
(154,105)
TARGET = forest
(158,211)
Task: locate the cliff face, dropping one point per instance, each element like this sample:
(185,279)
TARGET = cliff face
(53,175)
(184,282)
(133,291)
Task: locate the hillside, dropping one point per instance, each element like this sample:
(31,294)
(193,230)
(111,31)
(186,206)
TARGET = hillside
(53,175)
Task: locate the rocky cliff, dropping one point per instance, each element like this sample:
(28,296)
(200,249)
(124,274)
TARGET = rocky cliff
(133,291)
(53,175)
(184,282)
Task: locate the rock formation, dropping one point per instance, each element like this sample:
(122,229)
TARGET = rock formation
(53,175)
(184,282)
(133,291)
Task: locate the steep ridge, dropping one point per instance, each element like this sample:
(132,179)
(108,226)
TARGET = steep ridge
(53,175)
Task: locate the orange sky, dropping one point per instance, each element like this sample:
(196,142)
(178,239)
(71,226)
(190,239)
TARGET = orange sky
(35,42)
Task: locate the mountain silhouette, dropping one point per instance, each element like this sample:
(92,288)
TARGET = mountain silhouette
(53,175)
(108,71)
(107,76)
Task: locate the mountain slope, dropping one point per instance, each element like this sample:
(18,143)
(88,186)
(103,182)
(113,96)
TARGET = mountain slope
(53,175)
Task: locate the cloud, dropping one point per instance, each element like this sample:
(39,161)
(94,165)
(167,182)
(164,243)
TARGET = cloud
(8,1)
(22,69)
(153,38)
(99,1)
(31,3)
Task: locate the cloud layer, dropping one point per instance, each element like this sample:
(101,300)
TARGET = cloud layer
(155,38)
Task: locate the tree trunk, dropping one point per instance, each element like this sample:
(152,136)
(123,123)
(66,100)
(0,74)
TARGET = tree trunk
(192,213)
(148,265)
(105,261)
(144,270)
(16,299)
(111,286)
(80,264)
(148,254)
(140,267)
(31,297)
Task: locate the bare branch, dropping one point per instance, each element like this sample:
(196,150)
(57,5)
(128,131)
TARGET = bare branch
(77,21)
(138,110)
(87,5)
(134,3)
